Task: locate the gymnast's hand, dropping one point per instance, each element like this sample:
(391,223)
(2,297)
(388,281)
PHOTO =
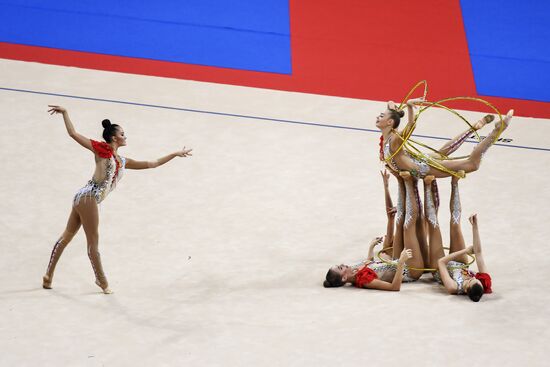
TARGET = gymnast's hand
(184,153)
(406,254)
(473,220)
(415,101)
(56,109)
(391,210)
(376,241)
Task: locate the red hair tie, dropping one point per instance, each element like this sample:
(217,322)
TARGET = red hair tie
(485,280)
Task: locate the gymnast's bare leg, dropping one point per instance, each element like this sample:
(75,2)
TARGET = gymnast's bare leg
(409,226)
(457,239)
(452,145)
(73,225)
(398,244)
(473,161)
(434,230)
(420,224)
(89,214)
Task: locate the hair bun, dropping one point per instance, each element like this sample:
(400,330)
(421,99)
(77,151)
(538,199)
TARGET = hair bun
(401,113)
(106,123)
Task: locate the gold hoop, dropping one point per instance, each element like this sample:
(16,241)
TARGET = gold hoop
(409,145)
(464,266)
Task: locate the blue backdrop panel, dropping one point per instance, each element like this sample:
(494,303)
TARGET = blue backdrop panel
(509,47)
(243,34)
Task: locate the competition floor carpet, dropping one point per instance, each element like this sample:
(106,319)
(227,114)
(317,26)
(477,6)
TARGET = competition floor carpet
(218,259)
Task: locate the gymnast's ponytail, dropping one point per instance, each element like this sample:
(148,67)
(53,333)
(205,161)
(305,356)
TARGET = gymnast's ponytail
(109,130)
(396,115)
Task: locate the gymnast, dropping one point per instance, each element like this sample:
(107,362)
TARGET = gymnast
(391,141)
(108,171)
(370,274)
(388,273)
(452,271)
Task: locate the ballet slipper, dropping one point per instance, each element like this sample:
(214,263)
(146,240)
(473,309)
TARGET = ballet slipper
(105,289)
(507,119)
(487,119)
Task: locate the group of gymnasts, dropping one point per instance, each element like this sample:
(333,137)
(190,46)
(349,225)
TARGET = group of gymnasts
(405,253)
(413,243)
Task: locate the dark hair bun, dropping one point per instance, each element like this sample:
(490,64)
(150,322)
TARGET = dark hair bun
(327,284)
(106,123)
(401,113)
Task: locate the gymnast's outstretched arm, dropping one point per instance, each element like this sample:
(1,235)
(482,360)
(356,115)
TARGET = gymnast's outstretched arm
(395,284)
(410,115)
(132,164)
(477,245)
(372,245)
(80,139)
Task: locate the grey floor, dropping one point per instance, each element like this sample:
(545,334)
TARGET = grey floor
(218,260)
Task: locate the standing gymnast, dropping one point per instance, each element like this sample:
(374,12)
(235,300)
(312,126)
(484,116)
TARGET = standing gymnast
(109,170)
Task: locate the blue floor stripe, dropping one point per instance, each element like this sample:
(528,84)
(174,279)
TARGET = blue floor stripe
(95,99)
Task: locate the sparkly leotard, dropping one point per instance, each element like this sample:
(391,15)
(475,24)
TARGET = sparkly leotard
(458,273)
(381,268)
(420,172)
(387,154)
(109,170)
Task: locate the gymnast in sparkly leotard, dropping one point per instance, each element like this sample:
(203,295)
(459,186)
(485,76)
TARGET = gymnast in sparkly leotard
(452,271)
(400,160)
(109,169)
(371,274)
(386,274)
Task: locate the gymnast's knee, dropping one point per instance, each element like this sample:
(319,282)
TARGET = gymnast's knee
(67,237)
(473,165)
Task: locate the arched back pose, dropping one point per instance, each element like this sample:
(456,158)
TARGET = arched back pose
(452,272)
(389,120)
(109,170)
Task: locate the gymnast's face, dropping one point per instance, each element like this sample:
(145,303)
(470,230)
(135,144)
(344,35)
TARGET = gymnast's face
(120,137)
(383,120)
(343,270)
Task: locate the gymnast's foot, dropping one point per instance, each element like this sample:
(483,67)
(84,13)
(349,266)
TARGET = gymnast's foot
(484,121)
(507,119)
(104,288)
(429,179)
(46,282)
(405,174)
(460,174)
